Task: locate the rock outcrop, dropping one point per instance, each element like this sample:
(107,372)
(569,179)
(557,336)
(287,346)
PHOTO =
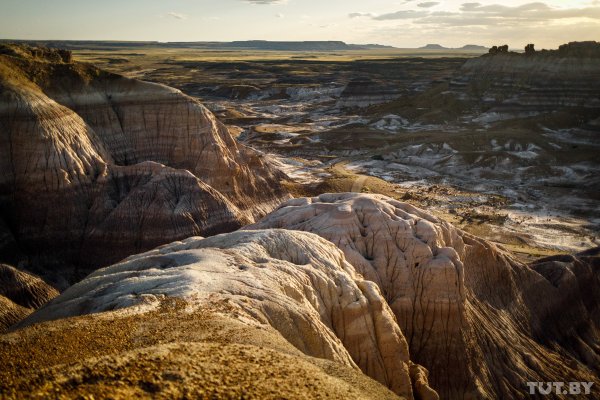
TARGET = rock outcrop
(10,313)
(481,322)
(294,285)
(20,294)
(569,317)
(95,167)
(514,84)
(364,92)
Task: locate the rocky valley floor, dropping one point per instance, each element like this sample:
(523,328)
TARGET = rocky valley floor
(506,169)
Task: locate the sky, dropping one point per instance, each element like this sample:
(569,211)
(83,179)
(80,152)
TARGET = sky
(400,23)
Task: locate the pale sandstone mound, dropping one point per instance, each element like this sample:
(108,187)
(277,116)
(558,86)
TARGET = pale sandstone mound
(482,323)
(293,282)
(95,167)
(20,294)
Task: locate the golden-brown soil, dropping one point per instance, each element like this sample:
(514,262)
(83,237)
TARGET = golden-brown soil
(168,353)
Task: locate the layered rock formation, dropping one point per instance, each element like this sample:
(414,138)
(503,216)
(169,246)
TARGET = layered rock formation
(514,84)
(10,313)
(482,323)
(94,166)
(288,287)
(364,92)
(20,294)
(564,320)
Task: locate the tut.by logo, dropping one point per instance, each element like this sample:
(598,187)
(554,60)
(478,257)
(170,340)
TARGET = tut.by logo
(571,388)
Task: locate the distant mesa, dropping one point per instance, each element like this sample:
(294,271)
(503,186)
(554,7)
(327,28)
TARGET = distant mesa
(474,47)
(580,49)
(434,47)
(300,46)
(468,47)
(330,45)
(533,82)
(263,45)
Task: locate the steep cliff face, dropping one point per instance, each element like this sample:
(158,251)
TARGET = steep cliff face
(529,84)
(575,293)
(482,323)
(295,284)
(140,121)
(91,161)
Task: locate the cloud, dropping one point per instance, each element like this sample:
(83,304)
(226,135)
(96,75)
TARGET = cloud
(534,11)
(428,4)
(499,9)
(361,14)
(477,14)
(175,15)
(442,13)
(262,2)
(405,14)
(489,22)
(323,26)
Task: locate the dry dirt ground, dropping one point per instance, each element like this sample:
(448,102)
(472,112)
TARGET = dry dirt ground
(168,353)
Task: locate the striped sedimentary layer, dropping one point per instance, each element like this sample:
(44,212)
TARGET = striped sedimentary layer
(94,166)
(540,82)
(364,92)
(20,294)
